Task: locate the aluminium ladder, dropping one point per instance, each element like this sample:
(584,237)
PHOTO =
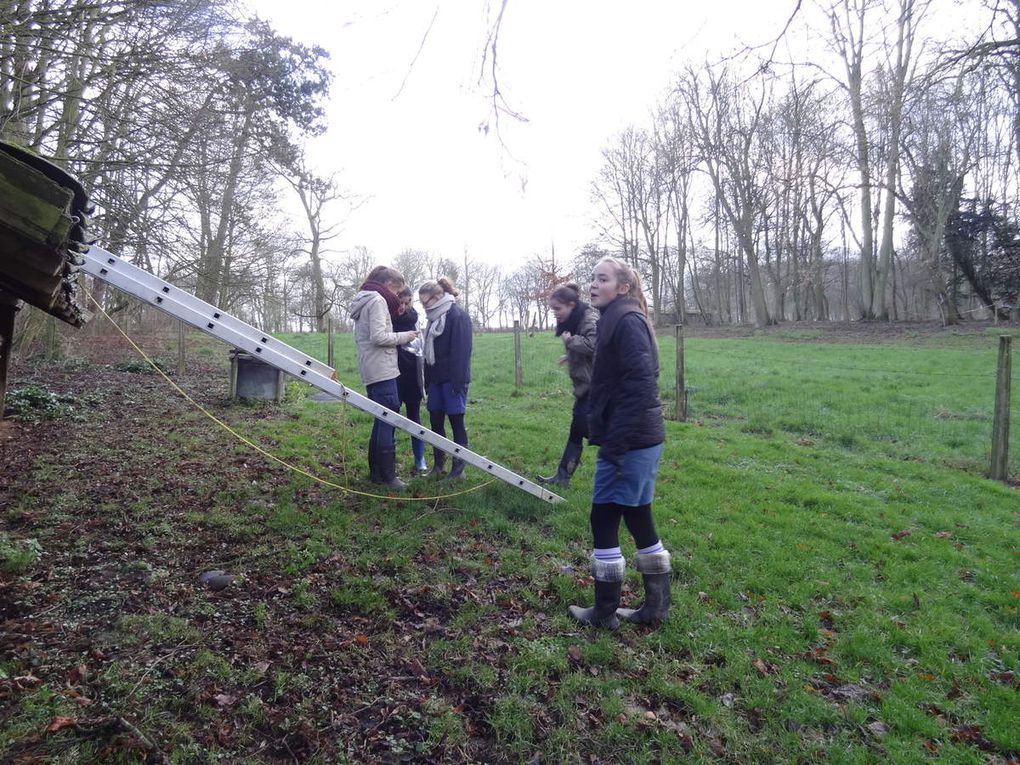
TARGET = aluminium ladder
(184,306)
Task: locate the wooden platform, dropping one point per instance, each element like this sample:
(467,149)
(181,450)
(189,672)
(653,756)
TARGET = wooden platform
(42,228)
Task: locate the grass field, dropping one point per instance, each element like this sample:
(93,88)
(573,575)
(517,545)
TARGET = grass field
(846,583)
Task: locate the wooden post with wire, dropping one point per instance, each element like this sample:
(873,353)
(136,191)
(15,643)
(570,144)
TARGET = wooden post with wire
(180,349)
(681,387)
(999,469)
(9,306)
(329,341)
(518,374)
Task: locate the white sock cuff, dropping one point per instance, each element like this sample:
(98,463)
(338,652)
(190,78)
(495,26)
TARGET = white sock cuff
(657,547)
(606,553)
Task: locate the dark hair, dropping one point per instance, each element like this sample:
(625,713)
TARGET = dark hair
(566,293)
(434,288)
(385,275)
(405,292)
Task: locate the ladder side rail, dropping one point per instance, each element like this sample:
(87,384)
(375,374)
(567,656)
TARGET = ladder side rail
(97,259)
(277,355)
(290,360)
(422,433)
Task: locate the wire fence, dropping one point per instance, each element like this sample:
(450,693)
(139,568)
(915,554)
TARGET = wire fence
(912,401)
(923,402)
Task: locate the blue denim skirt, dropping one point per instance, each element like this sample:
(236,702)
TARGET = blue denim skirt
(441,398)
(631,484)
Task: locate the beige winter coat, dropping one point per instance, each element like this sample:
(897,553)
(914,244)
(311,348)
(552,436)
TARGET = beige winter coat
(377,342)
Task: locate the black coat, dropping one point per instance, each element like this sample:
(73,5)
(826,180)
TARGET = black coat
(410,382)
(625,412)
(407,361)
(453,352)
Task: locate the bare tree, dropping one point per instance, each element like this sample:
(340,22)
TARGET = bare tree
(726,120)
(854,24)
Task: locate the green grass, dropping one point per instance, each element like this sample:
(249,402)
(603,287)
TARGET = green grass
(846,582)
(829,521)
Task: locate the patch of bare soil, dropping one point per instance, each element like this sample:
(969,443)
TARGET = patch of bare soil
(140,660)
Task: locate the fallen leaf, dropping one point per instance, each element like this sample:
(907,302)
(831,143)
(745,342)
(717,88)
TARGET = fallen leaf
(900,535)
(57,723)
(224,700)
(26,681)
(77,675)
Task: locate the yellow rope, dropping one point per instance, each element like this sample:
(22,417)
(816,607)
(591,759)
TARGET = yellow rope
(258,448)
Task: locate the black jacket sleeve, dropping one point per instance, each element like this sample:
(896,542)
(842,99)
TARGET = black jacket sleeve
(460,341)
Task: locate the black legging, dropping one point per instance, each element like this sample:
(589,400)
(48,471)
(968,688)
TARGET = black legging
(436,422)
(605,524)
(579,420)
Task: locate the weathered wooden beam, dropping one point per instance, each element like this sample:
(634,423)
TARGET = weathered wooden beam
(42,222)
(33,205)
(9,306)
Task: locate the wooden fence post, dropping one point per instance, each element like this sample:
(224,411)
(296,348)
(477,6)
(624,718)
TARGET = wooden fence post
(329,343)
(9,306)
(518,375)
(180,349)
(1000,425)
(681,387)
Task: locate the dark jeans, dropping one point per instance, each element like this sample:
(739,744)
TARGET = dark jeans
(384,393)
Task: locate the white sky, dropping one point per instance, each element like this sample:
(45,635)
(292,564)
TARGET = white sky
(579,70)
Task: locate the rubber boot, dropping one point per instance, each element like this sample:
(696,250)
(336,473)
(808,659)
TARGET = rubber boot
(655,571)
(373,462)
(608,581)
(418,450)
(568,464)
(456,470)
(438,463)
(387,459)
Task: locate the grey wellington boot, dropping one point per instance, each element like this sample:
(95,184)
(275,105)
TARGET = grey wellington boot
(608,581)
(568,464)
(655,571)
(387,460)
(438,463)
(456,470)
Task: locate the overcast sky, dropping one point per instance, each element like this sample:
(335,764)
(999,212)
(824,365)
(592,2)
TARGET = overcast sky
(406,106)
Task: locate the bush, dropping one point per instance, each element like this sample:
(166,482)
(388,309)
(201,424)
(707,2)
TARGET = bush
(18,555)
(142,367)
(35,403)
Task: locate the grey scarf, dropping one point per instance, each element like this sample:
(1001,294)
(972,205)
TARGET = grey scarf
(437,323)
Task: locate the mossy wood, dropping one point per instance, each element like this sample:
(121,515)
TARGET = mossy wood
(42,225)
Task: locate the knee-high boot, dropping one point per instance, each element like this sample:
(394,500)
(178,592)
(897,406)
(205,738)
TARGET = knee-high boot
(438,463)
(655,569)
(608,577)
(568,464)
(373,462)
(387,459)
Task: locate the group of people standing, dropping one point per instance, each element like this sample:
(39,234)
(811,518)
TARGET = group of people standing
(612,358)
(399,367)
